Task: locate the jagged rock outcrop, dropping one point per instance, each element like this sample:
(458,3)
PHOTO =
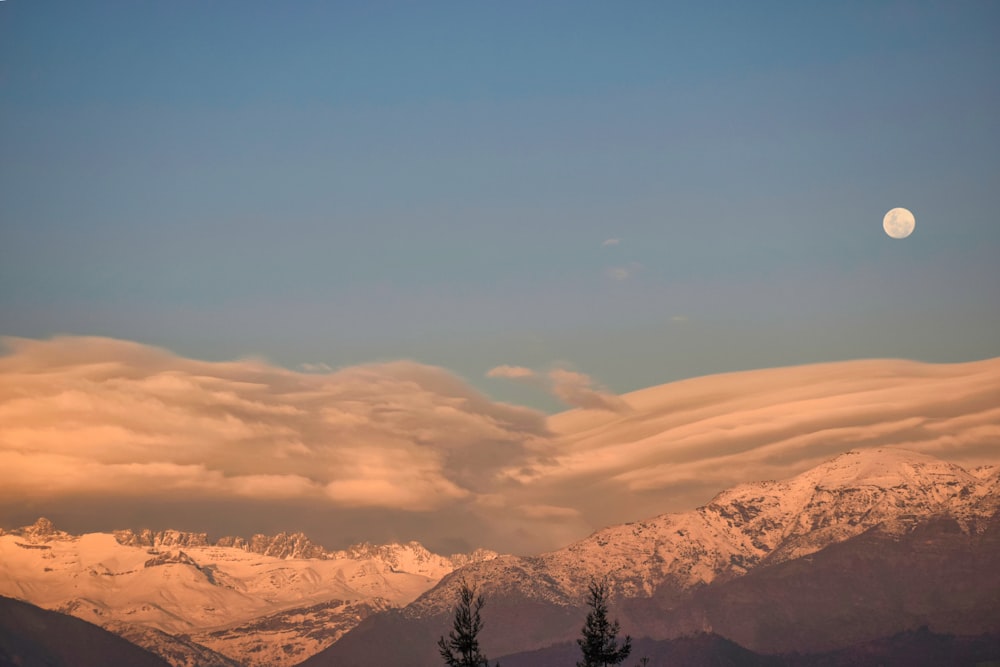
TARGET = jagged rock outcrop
(161,538)
(39,532)
(411,557)
(170,558)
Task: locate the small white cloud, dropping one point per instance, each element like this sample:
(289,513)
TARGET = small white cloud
(610,242)
(679,318)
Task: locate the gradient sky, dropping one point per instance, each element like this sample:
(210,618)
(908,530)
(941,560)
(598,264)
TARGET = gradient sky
(331,266)
(335,183)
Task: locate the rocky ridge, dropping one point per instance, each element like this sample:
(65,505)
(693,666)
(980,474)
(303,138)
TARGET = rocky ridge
(744,527)
(265,601)
(886,496)
(410,557)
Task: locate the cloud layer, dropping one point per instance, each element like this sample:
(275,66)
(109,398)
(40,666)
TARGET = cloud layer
(403,450)
(573,388)
(680,443)
(88,415)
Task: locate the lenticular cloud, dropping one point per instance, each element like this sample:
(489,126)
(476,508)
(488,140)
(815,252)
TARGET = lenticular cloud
(678,444)
(91,415)
(431,458)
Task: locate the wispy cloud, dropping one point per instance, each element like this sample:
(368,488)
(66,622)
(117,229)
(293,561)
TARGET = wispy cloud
(610,242)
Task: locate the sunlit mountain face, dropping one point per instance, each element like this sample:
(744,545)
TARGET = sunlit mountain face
(264,601)
(887,537)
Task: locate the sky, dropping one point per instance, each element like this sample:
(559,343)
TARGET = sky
(532,207)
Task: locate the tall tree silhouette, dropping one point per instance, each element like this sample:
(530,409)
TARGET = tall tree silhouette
(461,649)
(600,636)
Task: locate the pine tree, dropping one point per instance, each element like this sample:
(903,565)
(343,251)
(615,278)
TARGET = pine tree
(461,649)
(600,637)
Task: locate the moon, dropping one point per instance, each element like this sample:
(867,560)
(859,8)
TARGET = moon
(898,223)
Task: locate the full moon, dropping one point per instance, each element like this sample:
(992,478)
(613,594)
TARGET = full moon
(898,223)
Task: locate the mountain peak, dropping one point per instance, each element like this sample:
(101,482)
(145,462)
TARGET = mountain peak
(43,530)
(744,527)
(884,467)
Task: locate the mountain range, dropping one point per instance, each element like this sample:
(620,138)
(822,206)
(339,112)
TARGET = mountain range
(263,601)
(870,545)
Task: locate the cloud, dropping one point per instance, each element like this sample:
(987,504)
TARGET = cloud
(315,368)
(87,415)
(511,373)
(610,242)
(573,388)
(580,391)
(681,443)
(107,430)
(679,318)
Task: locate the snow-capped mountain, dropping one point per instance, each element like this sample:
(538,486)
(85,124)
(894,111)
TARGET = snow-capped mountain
(258,601)
(886,517)
(745,529)
(746,526)
(411,557)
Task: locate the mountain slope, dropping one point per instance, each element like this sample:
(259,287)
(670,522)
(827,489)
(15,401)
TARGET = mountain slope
(916,648)
(31,636)
(234,599)
(657,566)
(870,586)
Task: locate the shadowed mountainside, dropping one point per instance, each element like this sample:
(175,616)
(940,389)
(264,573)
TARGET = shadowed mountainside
(31,636)
(917,648)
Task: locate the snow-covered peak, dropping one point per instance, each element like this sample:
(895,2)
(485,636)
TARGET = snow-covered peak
(742,528)
(842,497)
(257,600)
(885,467)
(413,557)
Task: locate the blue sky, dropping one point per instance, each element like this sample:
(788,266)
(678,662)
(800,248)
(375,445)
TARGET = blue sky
(325,182)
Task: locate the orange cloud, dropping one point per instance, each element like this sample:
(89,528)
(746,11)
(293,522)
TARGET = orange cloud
(84,418)
(87,415)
